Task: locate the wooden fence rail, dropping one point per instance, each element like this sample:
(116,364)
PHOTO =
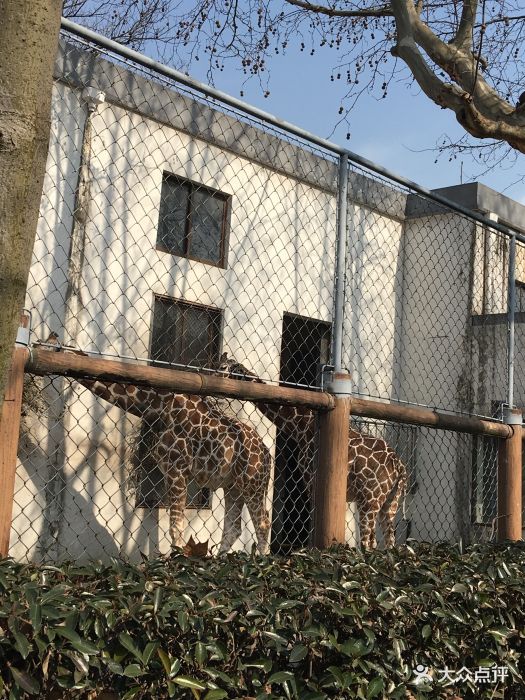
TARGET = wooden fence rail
(335,412)
(45,362)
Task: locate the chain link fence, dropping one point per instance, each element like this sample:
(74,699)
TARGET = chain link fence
(426,300)
(179,231)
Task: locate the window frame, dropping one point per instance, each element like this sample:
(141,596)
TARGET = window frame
(183,302)
(482,511)
(225,223)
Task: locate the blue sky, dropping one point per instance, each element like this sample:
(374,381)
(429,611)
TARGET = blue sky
(393,132)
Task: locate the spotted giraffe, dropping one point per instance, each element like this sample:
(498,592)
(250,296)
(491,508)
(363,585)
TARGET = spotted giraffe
(376,476)
(196,441)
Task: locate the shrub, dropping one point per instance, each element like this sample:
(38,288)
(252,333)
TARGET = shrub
(335,624)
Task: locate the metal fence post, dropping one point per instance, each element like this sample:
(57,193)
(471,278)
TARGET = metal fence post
(340,264)
(511,308)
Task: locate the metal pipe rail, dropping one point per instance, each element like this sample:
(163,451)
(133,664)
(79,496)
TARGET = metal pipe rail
(430,419)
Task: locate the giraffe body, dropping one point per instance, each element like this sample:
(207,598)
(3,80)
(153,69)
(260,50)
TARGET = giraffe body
(376,476)
(196,441)
(377,481)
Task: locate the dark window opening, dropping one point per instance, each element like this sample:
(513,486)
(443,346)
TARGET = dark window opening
(193,221)
(520,296)
(305,348)
(182,334)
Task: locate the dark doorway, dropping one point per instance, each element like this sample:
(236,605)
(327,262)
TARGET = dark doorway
(305,347)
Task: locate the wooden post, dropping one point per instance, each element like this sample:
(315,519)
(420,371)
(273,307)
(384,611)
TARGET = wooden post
(9,431)
(332,472)
(509,481)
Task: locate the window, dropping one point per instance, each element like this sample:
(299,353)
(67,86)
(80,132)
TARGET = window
(183,334)
(193,221)
(305,348)
(485,473)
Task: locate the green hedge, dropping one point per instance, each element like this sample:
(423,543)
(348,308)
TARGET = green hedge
(314,625)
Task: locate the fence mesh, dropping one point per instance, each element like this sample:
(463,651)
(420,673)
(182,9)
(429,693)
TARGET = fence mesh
(171,228)
(89,486)
(91,481)
(426,301)
(177,231)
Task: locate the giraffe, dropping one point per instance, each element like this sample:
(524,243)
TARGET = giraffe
(197,441)
(376,476)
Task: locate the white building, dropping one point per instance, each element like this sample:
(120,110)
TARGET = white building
(172,229)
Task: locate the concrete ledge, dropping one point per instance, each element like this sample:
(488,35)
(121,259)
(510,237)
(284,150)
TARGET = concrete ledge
(133,91)
(475,196)
(376,195)
(496,319)
(149,96)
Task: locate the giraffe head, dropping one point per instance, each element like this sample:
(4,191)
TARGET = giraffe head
(229,367)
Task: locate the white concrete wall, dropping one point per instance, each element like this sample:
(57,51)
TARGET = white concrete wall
(490,336)
(47,283)
(280,259)
(372,324)
(434,363)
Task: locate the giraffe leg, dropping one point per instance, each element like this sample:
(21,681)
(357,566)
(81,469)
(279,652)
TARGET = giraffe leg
(367,526)
(387,514)
(177,493)
(232,518)
(260,518)
(176,462)
(256,503)
(386,518)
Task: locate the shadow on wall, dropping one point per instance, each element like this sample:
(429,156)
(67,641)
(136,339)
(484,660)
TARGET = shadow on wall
(72,505)
(44,493)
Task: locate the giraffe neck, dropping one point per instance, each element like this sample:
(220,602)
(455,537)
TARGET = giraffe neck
(133,399)
(354,434)
(292,420)
(141,401)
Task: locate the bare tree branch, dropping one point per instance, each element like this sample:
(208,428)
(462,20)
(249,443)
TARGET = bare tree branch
(503,20)
(477,106)
(382,11)
(464,36)
(462,60)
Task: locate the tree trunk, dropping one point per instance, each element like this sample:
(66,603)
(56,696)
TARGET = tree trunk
(28,44)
